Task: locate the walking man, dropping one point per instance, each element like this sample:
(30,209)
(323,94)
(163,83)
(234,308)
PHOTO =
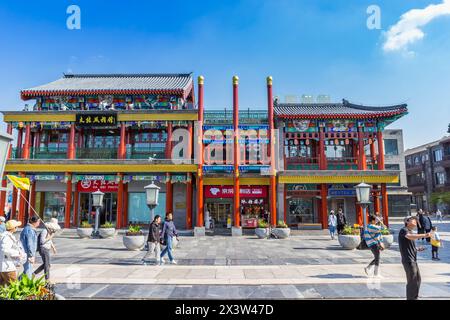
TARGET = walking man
(426,224)
(332,222)
(28,237)
(154,240)
(408,252)
(168,233)
(439,215)
(341,221)
(372,236)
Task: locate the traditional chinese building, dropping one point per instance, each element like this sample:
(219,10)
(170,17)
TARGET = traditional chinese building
(117,133)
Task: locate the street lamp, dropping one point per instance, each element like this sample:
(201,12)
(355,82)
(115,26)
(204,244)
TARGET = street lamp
(97,202)
(152,196)
(363,198)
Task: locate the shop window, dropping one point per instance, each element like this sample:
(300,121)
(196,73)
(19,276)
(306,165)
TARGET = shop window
(391,147)
(139,213)
(54,206)
(301,211)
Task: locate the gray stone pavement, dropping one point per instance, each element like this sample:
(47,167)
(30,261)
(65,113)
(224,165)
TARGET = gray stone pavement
(308,265)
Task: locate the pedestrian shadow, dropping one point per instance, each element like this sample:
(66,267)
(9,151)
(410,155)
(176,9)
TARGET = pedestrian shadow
(110,249)
(337,276)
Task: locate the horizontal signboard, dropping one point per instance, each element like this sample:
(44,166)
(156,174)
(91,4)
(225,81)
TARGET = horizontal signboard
(228,192)
(96,119)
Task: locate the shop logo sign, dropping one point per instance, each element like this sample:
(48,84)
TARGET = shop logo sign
(96,119)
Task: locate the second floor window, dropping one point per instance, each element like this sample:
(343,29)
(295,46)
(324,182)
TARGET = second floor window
(440,178)
(438,155)
(391,147)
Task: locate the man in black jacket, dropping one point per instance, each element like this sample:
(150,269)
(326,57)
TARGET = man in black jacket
(341,221)
(153,241)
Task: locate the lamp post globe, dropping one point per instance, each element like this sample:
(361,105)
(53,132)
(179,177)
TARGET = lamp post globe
(152,195)
(363,193)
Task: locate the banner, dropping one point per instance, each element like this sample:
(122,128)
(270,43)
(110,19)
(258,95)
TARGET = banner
(228,192)
(94,185)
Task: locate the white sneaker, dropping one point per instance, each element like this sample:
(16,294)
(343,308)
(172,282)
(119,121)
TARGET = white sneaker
(368,271)
(173,262)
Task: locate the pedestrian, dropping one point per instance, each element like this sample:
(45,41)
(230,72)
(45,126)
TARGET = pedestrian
(408,252)
(207,219)
(372,236)
(420,218)
(12,254)
(341,221)
(28,237)
(2,224)
(379,219)
(427,224)
(332,222)
(168,233)
(435,243)
(438,215)
(45,245)
(153,240)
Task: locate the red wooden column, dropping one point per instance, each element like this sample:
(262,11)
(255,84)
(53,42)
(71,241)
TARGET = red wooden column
(272,178)
(22,205)
(376,199)
(33,198)
(125,206)
(76,196)
(373,156)
(169,185)
(384,199)
(26,144)
(15,194)
(121,154)
(19,151)
(189,193)
(324,205)
(322,155)
(380,150)
(71,147)
(68,200)
(236,151)
(199,218)
(119,202)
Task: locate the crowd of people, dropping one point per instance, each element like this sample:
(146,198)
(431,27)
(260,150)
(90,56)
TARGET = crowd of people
(22,252)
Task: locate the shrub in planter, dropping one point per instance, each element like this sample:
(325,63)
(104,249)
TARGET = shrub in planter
(107,230)
(28,289)
(263,229)
(282,230)
(85,230)
(350,238)
(387,238)
(134,238)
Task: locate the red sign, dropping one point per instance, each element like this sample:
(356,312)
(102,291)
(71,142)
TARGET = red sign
(228,192)
(94,185)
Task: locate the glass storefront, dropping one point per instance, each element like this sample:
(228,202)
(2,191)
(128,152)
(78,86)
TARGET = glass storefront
(108,211)
(301,210)
(51,205)
(139,213)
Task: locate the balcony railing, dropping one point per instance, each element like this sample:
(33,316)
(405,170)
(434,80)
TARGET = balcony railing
(306,163)
(48,153)
(96,153)
(145,153)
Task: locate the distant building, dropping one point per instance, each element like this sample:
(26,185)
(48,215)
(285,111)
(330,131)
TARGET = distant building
(428,171)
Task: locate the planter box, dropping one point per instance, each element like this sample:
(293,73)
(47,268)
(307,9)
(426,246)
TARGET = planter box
(388,240)
(134,242)
(262,233)
(282,233)
(107,233)
(85,232)
(349,242)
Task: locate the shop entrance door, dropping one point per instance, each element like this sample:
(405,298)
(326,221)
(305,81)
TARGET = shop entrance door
(220,212)
(108,211)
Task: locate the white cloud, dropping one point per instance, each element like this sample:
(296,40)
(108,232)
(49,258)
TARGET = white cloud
(408,29)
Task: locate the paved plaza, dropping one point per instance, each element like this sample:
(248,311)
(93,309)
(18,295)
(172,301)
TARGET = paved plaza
(308,265)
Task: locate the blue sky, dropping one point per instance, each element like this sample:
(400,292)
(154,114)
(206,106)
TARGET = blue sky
(309,47)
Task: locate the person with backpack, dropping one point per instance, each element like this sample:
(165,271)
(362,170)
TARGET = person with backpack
(153,240)
(168,233)
(373,239)
(12,254)
(341,221)
(45,245)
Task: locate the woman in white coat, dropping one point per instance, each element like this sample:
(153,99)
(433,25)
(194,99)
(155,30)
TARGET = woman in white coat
(11,253)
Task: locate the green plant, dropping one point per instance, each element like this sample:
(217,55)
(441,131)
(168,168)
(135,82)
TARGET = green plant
(85,224)
(281,224)
(28,289)
(440,198)
(134,230)
(385,232)
(351,230)
(107,225)
(262,224)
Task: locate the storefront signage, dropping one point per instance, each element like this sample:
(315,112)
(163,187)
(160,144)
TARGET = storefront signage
(341,193)
(228,192)
(47,177)
(94,185)
(96,119)
(217,168)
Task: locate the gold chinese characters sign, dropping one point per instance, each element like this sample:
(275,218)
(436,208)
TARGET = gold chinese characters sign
(96,119)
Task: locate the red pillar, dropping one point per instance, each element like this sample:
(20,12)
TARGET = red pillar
(322,155)
(273,180)
(200,222)
(75,206)
(26,144)
(376,199)
(236,203)
(169,185)
(380,150)
(124,221)
(189,201)
(68,201)
(33,198)
(324,205)
(9,131)
(384,199)
(373,156)
(359,214)
(22,204)
(362,163)
(119,202)
(19,151)
(122,148)
(71,147)
(15,194)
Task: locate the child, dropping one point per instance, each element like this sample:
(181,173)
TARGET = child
(435,243)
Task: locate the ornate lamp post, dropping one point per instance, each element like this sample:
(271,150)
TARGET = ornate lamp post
(152,196)
(363,198)
(97,203)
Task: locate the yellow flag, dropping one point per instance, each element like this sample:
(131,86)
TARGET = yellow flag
(19,183)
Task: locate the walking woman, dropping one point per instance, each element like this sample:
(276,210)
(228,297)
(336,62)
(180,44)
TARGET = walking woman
(372,236)
(168,233)
(45,245)
(332,222)
(11,253)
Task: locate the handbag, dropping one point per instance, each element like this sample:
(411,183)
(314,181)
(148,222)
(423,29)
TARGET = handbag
(435,243)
